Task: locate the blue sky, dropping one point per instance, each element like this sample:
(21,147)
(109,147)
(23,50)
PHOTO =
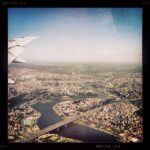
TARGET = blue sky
(79,34)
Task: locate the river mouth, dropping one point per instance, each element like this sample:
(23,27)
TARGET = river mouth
(75,131)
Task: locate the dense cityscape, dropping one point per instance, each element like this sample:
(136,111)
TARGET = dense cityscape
(116,90)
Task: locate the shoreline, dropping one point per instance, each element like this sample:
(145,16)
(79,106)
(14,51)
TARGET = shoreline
(126,137)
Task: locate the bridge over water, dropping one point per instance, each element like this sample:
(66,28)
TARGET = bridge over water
(57,125)
(60,124)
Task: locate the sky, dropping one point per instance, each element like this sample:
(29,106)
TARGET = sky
(110,35)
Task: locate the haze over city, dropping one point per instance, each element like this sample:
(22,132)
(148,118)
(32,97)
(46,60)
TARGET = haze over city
(112,35)
(82,78)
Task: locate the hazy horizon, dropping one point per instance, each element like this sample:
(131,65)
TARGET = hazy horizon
(84,35)
(75,62)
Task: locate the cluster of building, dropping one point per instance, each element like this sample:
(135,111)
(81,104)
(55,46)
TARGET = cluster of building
(122,84)
(119,118)
(126,93)
(54,138)
(22,121)
(70,108)
(52,84)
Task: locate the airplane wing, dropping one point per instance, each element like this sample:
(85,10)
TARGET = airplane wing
(16,47)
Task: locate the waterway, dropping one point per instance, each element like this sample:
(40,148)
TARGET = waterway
(74,131)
